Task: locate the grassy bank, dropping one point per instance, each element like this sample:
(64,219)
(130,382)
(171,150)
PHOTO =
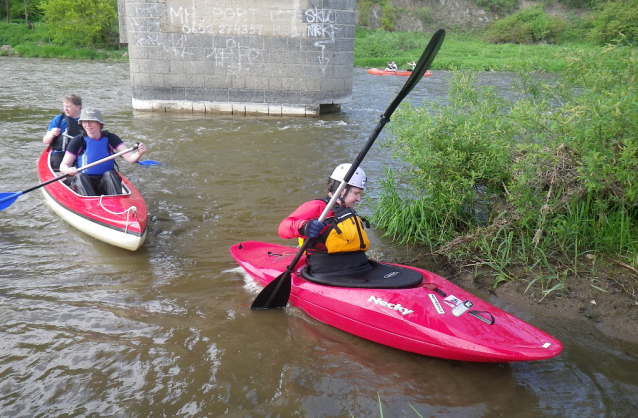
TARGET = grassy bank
(36,43)
(465,52)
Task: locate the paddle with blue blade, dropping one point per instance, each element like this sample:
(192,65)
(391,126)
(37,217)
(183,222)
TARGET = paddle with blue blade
(7,199)
(145,162)
(277,292)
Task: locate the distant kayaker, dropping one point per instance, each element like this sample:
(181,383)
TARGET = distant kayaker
(392,66)
(339,243)
(412,65)
(96,145)
(64,123)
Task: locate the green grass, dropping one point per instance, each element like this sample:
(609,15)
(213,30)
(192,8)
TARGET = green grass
(461,52)
(37,42)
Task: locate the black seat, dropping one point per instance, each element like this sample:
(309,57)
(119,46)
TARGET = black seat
(375,276)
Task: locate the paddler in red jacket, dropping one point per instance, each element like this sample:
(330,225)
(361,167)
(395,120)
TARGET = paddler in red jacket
(339,243)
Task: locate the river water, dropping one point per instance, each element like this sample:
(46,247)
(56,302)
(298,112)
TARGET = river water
(90,330)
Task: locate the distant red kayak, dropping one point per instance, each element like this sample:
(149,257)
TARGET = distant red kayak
(376,71)
(118,220)
(402,307)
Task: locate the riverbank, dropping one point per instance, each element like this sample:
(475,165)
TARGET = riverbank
(460,51)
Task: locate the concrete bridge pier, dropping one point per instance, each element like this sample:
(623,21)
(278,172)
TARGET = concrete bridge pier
(263,57)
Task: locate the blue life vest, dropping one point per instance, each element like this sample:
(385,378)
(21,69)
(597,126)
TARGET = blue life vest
(96,149)
(68,126)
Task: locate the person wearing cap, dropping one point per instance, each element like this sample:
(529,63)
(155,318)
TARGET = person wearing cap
(63,124)
(321,255)
(93,146)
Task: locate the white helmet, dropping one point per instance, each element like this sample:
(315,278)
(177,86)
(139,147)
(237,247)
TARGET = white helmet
(358,179)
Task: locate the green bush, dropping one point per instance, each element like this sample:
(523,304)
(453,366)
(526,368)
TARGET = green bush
(81,22)
(527,26)
(617,20)
(538,178)
(455,154)
(387,15)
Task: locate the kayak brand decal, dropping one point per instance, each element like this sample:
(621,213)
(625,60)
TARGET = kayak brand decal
(436,304)
(395,306)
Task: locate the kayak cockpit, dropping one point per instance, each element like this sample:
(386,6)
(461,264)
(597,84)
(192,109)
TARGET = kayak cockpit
(375,276)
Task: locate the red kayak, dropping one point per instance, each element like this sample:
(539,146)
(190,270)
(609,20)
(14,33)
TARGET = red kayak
(118,220)
(376,71)
(402,307)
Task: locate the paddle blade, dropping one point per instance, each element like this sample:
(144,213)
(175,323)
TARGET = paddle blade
(275,294)
(7,199)
(149,162)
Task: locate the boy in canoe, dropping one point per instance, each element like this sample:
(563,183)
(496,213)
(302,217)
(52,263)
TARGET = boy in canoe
(339,243)
(64,123)
(101,179)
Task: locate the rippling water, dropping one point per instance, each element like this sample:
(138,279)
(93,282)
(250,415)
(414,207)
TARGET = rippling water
(87,329)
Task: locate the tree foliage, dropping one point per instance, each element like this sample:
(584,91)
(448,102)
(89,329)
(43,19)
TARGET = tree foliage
(22,10)
(82,22)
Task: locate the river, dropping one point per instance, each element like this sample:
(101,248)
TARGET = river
(90,330)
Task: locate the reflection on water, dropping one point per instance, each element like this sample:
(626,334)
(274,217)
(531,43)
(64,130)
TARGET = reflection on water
(92,330)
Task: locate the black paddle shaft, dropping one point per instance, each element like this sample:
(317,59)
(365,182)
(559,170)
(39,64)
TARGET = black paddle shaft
(422,66)
(277,292)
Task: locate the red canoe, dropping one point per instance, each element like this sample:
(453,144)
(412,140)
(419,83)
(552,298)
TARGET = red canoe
(376,71)
(403,307)
(118,220)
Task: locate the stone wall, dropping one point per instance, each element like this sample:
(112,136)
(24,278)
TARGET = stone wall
(274,57)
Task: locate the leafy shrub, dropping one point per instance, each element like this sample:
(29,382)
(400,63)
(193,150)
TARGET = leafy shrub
(387,15)
(550,171)
(80,22)
(616,20)
(527,26)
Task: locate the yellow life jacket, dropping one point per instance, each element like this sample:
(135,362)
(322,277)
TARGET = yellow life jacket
(345,232)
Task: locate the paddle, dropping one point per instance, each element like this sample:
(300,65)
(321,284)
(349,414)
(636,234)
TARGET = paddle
(145,162)
(277,292)
(7,199)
